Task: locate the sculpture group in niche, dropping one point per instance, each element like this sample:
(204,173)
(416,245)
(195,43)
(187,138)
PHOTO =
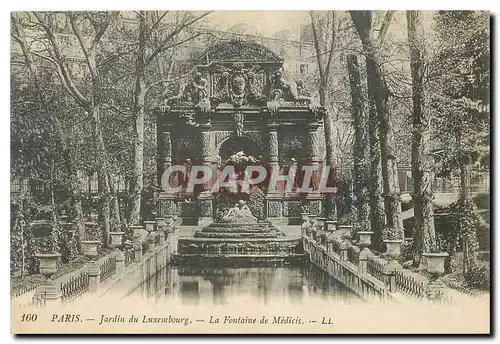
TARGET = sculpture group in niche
(240,158)
(240,213)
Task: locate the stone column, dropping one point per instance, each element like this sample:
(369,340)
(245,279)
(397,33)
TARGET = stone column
(94,277)
(274,203)
(273,149)
(164,147)
(273,142)
(120,263)
(313,155)
(207,155)
(313,141)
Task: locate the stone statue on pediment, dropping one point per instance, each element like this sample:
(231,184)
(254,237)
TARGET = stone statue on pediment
(196,90)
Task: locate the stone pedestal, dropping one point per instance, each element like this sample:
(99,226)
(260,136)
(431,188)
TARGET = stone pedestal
(120,263)
(149,226)
(434,290)
(330,225)
(161,236)
(151,241)
(390,270)
(94,276)
(315,204)
(171,240)
(137,251)
(275,209)
(48,294)
(363,260)
(206,209)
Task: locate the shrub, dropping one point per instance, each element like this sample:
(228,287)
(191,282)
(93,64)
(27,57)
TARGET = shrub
(479,277)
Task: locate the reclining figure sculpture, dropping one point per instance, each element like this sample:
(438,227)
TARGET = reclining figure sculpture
(240,213)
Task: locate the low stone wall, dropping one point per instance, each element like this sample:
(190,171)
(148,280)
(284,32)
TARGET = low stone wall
(364,285)
(137,272)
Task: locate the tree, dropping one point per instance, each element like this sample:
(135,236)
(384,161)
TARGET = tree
(88,95)
(460,80)
(378,93)
(33,97)
(152,42)
(424,233)
(361,166)
(324,34)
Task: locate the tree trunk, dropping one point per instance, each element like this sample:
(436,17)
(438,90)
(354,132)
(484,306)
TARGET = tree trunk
(375,188)
(115,209)
(362,22)
(329,128)
(103,177)
(360,145)
(423,234)
(137,181)
(467,219)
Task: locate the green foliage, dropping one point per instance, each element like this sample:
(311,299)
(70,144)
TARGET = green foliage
(460,87)
(480,276)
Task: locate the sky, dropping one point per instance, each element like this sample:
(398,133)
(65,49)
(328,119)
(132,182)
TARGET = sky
(266,23)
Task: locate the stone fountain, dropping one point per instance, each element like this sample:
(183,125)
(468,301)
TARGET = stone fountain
(239,239)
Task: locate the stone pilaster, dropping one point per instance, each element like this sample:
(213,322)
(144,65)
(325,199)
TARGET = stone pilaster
(273,151)
(313,144)
(164,148)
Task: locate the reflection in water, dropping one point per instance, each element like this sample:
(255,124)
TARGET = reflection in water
(293,284)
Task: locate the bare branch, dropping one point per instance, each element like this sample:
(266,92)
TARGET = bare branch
(385,26)
(316,45)
(61,66)
(164,45)
(330,56)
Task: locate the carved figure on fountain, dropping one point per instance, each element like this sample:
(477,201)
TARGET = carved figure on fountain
(196,90)
(236,85)
(240,213)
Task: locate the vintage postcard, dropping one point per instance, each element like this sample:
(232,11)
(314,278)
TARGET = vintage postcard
(250,172)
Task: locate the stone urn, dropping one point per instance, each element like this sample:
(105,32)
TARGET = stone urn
(48,263)
(365,238)
(90,248)
(116,239)
(435,263)
(393,248)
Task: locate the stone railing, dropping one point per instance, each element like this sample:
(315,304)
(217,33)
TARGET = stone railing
(126,268)
(358,268)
